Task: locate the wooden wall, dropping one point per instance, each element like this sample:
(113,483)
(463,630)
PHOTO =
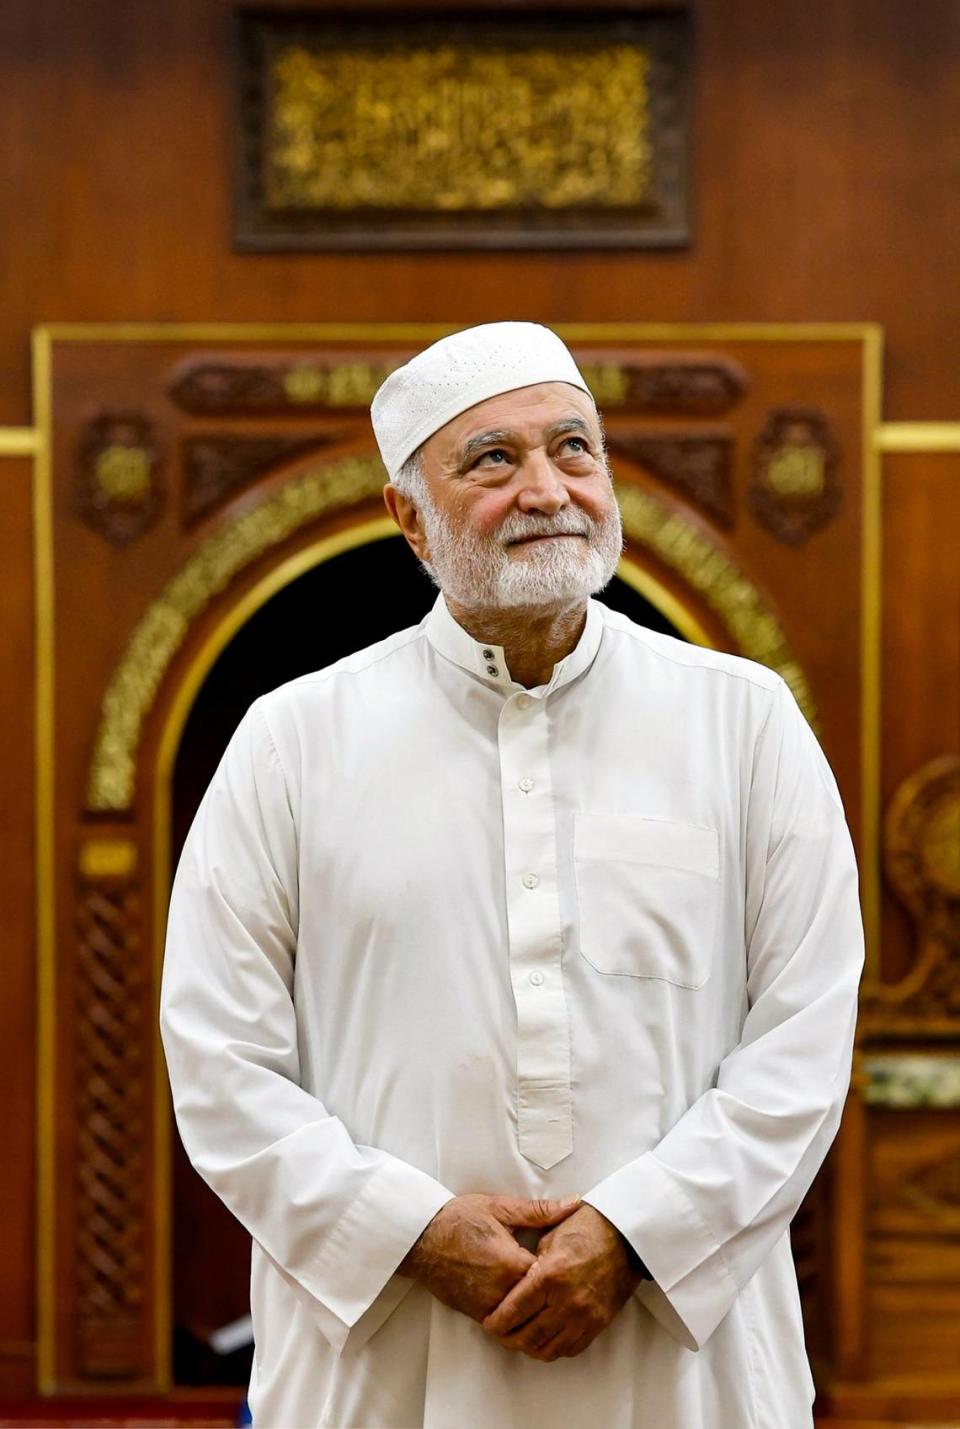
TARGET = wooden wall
(826,182)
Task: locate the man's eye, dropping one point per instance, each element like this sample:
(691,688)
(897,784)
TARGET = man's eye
(496,455)
(578,444)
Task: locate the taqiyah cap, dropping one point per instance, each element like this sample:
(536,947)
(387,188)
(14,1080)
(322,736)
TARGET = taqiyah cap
(458,372)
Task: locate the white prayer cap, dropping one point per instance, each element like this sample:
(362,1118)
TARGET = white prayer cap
(458,372)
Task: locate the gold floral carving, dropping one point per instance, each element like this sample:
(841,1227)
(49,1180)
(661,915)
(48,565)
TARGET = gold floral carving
(797,471)
(342,384)
(922,848)
(123,473)
(162,630)
(694,384)
(608,381)
(225,386)
(447,128)
(117,488)
(682,547)
(794,487)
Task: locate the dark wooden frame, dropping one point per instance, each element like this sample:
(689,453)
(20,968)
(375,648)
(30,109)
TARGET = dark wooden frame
(662,223)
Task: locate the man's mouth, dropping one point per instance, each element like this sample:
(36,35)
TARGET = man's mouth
(548,536)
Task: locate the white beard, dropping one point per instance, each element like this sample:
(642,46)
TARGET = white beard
(483,574)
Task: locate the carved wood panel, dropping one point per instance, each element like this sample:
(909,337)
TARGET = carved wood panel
(266,448)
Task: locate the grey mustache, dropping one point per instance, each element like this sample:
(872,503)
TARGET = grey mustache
(518,533)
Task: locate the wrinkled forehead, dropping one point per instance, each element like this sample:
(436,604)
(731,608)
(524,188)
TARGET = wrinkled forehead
(528,414)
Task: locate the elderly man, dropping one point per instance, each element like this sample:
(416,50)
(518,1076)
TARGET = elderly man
(511,970)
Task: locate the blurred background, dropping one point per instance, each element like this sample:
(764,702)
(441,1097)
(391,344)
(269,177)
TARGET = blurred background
(220,228)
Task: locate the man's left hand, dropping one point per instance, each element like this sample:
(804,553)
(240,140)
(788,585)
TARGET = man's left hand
(581,1278)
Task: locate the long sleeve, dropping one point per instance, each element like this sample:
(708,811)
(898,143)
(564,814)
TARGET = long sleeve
(706,1205)
(336,1218)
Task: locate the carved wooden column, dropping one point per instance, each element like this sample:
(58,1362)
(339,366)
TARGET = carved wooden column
(113,1042)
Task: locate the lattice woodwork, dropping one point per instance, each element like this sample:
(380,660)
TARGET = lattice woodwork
(697,464)
(216,468)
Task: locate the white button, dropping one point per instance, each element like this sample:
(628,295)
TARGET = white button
(524,702)
(536,977)
(526,785)
(530,880)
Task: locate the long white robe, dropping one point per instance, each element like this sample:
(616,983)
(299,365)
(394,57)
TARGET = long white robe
(432,933)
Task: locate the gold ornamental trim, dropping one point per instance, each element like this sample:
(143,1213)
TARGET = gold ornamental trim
(44,763)
(684,549)
(20,441)
(864,333)
(103,859)
(918,437)
(162,630)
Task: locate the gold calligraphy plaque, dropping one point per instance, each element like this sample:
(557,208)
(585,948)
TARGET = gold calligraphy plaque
(442,130)
(521,131)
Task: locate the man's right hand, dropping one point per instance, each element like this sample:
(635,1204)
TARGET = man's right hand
(467,1256)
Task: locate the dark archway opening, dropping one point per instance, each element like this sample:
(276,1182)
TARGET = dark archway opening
(338,606)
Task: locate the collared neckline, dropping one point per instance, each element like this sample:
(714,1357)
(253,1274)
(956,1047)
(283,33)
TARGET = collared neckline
(487,662)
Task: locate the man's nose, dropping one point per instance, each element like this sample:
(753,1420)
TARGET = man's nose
(542,486)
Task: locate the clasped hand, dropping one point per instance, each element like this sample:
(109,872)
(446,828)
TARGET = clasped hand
(550,1304)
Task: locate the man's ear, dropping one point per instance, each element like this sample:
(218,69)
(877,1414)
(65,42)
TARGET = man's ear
(407,517)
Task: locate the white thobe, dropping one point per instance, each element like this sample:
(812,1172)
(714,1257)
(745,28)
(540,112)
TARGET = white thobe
(432,933)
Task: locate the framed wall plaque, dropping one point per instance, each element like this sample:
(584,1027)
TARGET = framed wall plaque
(479,129)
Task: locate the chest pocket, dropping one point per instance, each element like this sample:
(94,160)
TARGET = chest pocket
(649,895)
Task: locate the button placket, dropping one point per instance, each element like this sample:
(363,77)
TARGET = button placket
(545,1122)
